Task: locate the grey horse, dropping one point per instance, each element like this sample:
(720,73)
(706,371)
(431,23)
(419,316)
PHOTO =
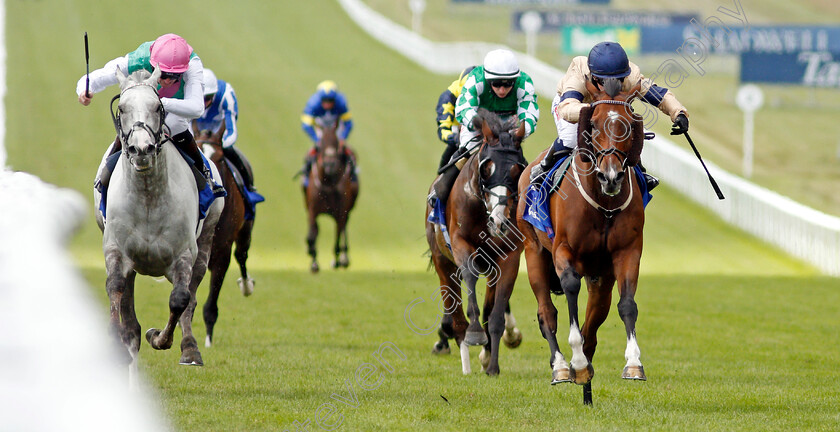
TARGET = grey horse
(151,224)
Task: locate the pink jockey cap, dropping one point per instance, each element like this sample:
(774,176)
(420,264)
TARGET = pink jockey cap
(171,53)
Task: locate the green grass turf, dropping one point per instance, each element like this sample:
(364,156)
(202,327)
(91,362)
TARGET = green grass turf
(734,334)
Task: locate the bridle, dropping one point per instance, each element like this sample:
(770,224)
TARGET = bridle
(486,189)
(598,156)
(160,136)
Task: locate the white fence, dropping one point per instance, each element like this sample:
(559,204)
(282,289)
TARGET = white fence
(801,231)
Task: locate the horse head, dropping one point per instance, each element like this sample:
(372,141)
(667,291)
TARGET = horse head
(329,155)
(610,135)
(499,166)
(140,118)
(211,146)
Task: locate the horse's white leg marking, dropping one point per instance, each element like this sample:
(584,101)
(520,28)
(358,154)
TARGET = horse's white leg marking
(559,362)
(207,343)
(510,321)
(465,358)
(632,354)
(579,361)
(484,359)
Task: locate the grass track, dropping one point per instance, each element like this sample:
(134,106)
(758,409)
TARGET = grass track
(734,334)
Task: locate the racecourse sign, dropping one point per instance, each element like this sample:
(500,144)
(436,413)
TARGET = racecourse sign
(809,68)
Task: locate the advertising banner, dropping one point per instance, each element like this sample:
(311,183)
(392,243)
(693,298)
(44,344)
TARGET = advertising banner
(807,68)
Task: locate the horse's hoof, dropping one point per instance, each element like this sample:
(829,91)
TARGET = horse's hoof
(151,337)
(246,286)
(583,376)
(634,373)
(314,267)
(513,338)
(560,376)
(207,342)
(191,358)
(440,349)
(476,338)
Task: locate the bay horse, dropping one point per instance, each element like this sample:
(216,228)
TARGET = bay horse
(233,227)
(484,241)
(153,225)
(598,218)
(331,190)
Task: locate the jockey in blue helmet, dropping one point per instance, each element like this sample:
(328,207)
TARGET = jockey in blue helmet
(324,108)
(607,61)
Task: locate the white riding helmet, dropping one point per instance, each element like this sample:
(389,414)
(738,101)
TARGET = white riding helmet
(500,64)
(211,86)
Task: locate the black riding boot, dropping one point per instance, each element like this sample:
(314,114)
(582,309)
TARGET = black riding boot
(650,180)
(444,182)
(557,151)
(185,142)
(447,155)
(234,156)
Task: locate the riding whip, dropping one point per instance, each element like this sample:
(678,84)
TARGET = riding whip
(711,179)
(87,68)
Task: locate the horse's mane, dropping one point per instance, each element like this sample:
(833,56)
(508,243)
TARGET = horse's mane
(493,122)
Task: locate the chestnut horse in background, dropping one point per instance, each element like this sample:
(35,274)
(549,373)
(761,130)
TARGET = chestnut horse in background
(484,241)
(232,228)
(598,218)
(331,190)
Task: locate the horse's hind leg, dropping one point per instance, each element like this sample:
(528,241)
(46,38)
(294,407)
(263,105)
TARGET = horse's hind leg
(340,250)
(581,369)
(540,275)
(243,244)
(512,336)
(597,309)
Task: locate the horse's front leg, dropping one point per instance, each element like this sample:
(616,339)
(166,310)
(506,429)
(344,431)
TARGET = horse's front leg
(131,329)
(581,369)
(500,298)
(627,275)
(179,299)
(190,354)
(115,286)
(311,237)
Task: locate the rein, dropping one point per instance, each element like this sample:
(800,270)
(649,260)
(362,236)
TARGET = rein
(160,136)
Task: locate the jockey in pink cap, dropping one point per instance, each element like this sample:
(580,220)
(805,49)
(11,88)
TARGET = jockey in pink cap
(180,87)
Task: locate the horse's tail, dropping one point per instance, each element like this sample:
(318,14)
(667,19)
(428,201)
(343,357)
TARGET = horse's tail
(431,264)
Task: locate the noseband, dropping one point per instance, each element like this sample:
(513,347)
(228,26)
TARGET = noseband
(159,136)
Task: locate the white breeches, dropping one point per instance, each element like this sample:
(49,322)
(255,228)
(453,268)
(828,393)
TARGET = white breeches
(566,131)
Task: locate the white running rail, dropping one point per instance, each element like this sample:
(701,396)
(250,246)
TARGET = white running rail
(799,230)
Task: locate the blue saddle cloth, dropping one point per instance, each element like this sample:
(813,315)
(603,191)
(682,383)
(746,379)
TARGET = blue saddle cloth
(206,196)
(251,197)
(537,211)
(438,217)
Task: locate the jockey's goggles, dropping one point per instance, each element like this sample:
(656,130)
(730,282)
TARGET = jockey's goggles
(171,75)
(502,83)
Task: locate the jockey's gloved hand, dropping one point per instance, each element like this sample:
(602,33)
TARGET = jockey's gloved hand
(680,125)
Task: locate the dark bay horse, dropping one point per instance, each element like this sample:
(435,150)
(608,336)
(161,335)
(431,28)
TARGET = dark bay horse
(598,218)
(331,190)
(232,228)
(484,241)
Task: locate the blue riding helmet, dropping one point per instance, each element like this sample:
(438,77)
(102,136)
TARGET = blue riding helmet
(327,91)
(608,60)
